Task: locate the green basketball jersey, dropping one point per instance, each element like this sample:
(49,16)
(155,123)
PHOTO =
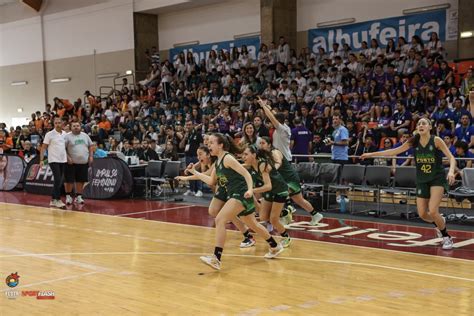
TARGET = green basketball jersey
(287,172)
(429,165)
(278,184)
(229,179)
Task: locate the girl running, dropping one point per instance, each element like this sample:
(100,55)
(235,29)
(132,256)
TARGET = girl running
(268,181)
(206,166)
(290,176)
(230,174)
(430,175)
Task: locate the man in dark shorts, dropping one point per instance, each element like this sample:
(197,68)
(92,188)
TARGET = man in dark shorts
(79,157)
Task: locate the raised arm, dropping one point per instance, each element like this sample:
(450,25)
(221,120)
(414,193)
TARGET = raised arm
(268,112)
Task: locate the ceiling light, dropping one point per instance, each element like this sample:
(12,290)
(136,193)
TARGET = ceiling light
(109,75)
(467,34)
(18,83)
(427,8)
(56,80)
(247,35)
(186,44)
(336,22)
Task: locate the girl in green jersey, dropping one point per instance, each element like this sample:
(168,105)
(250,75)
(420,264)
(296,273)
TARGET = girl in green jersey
(292,179)
(430,175)
(206,165)
(229,173)
(270,183)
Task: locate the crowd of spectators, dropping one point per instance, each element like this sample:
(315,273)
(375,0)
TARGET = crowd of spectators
(380,93)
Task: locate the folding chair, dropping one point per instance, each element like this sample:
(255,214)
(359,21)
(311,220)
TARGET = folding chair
(404,182)
(351,176)
(376,177)
(465,191)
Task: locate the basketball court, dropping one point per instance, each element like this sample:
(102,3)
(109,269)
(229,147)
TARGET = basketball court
(142,257)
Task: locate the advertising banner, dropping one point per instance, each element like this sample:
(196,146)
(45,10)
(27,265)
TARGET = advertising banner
(11,172)
(422,24)
(202,51)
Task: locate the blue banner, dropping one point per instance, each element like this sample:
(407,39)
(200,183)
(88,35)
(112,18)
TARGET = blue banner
(202,51)
(354,34)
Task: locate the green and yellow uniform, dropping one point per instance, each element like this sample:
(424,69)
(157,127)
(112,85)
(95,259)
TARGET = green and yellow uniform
(279,191)
(290,176)
(429,168)
(232,185)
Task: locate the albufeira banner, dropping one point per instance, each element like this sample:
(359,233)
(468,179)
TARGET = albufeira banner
(354,34)
(202,51)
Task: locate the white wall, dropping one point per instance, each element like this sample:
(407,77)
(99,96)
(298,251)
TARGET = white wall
(20,42)
(105,27)
(311,12)
(207,24)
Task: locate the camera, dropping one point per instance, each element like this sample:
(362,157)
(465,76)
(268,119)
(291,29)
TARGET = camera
(327,141)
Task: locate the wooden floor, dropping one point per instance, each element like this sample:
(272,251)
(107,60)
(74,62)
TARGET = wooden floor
(104,265)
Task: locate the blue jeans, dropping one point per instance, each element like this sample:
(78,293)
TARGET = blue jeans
(194,185)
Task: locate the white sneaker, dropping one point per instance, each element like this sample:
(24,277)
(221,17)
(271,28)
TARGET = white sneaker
(438,232)
(188,192)
(287,219)
(211,261)
(198,194)
(52,203)
(291,208)
(79,200)
(286,242)
(247,243)
(316,218)
(58,204)
(447,243)
(273,252)
(68,199)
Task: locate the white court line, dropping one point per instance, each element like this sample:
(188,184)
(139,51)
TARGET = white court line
(79,264)
(400,252)
(158,210)
(53,280)
(371,265)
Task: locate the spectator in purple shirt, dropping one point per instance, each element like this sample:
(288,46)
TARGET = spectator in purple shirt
(459,111)
(431,71)
(443,128)
(401,120)
(442,112)
(300,141)
(465,132)
(408,153)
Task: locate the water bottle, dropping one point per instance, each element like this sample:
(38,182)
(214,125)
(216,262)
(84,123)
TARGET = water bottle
(342,203)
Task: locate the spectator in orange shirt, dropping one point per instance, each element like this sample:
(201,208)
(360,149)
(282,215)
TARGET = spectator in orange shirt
(37,120)
(6,143)
(104,127)
(91,100)
(62,103)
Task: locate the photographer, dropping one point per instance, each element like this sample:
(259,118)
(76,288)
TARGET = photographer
(339,141)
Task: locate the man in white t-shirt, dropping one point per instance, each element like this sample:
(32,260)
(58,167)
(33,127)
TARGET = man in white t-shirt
(282,135)
(55,144)
(134,105)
